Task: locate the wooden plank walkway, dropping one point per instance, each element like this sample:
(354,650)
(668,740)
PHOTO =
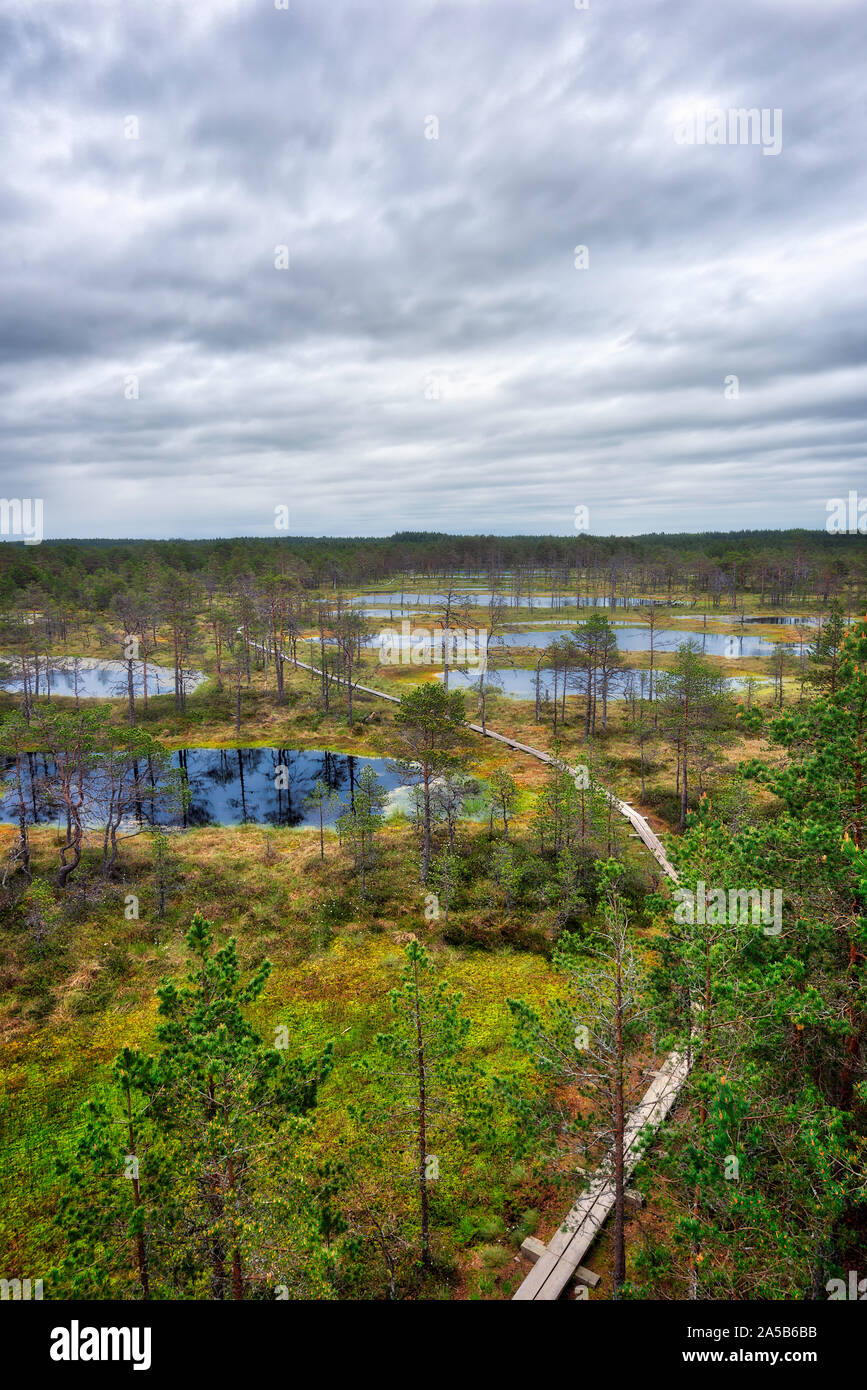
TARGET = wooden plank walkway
(634,817)
(638,821)
(570,1243)
(568,1246)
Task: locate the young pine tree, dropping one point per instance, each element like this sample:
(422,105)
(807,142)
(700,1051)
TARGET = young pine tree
(586,1041)
(360,819)
(430,724)
(420,1089)
(322,799)
(185,1181)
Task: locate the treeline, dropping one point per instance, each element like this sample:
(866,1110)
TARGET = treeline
(775,566)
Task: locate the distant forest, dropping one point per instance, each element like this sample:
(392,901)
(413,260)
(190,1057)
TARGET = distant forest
(720,568)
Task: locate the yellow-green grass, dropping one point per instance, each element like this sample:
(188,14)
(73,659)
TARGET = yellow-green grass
(326,984)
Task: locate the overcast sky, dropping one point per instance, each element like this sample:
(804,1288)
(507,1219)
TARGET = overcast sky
(432,357)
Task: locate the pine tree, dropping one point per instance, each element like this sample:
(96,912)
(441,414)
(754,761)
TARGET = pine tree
(321,798)
(431,729)
(443,878)
(594,642)
(360,819)
(41,912)
(420,1086)
(503,796)
(826,653)
(585,1040)
(693,705)
(183,1181)
(506,872)
(766,1155)
(166,868)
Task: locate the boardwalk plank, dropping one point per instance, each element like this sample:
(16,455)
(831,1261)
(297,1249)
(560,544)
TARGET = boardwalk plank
(566,1249)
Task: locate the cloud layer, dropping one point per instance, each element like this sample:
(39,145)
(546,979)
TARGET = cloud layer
(431,357)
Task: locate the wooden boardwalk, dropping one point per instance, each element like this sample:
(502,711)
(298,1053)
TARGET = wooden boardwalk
(565,1251)
(638,821)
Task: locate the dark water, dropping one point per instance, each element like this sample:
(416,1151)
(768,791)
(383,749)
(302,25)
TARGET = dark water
(230,786)
(782,622)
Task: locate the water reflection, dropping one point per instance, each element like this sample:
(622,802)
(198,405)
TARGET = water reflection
(375,604)
(629,638)
(228,786)
(102,680)
(519,683)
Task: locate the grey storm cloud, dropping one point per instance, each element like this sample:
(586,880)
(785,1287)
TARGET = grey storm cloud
(432,356)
